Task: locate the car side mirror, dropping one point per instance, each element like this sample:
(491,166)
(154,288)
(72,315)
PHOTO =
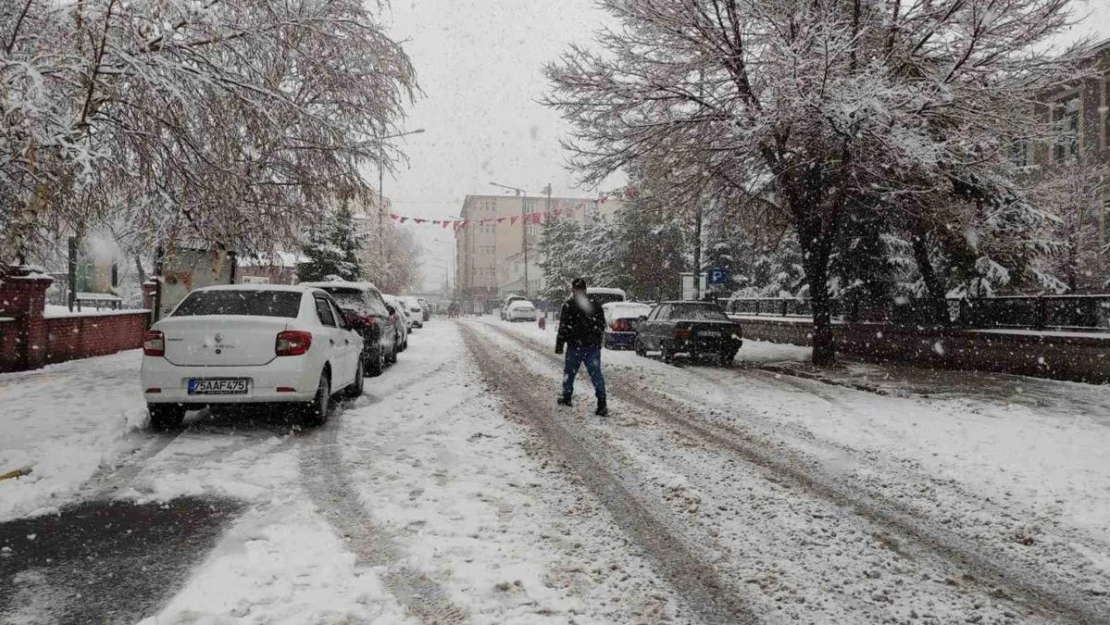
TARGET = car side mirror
(392,310)
(643,317)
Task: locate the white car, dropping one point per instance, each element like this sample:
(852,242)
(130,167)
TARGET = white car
(404,324)
(414,310)
(508,301)
(242,344)
(520,310)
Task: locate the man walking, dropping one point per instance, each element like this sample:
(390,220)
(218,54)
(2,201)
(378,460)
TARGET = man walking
(581,329)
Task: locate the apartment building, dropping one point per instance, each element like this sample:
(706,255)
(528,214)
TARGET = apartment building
(1080,115)
(490,254)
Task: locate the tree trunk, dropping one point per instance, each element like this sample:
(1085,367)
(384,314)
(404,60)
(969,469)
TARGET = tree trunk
(817,249)
(139,267)
(938,300)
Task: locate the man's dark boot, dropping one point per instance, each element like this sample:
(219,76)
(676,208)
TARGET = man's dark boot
(563,401)
(602,408)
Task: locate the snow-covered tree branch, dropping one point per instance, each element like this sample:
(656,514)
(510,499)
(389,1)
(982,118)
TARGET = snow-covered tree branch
(819,106)
(231,122)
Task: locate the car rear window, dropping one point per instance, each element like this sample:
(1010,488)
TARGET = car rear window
(350,299)
(605,298)
(696,312)
(249,303)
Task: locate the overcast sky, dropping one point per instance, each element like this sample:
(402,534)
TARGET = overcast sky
(479,63)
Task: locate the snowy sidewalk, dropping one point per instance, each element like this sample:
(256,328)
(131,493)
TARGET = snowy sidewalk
(66,421)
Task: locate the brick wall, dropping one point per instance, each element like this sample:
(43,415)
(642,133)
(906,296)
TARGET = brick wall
(1062,356)
(32,339)
(69,338)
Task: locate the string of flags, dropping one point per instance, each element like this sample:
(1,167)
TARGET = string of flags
(527,218)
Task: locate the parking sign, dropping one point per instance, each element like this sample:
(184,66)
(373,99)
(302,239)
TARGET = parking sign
(716,276)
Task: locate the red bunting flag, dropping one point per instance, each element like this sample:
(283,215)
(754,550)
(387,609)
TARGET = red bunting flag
(394,217)
(403,219)
(556,212)
(512,220)
(500,219)
(445,222)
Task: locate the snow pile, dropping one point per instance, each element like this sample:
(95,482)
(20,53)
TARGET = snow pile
(66,421)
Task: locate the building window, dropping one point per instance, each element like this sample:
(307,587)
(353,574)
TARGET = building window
(115,275)
(1065,120)
(1019,153)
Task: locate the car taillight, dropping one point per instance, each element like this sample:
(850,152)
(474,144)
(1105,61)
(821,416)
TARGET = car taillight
(682,332)
(154,344)
(292,343)
(622,325)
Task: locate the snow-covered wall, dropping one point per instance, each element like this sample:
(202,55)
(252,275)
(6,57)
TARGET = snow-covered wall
(1078,356)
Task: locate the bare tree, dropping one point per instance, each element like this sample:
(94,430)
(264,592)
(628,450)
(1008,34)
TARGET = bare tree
(224,121)
(815,105)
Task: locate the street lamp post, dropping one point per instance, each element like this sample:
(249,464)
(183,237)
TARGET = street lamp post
(523,228)
(381,192)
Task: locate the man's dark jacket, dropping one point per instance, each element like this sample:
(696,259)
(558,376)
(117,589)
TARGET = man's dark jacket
(579,328)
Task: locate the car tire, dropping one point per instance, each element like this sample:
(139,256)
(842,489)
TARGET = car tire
(727,358)
(375,363)
(638,347)
(316,411)
(165,417)
(392,358)
(666,353)
(354,391)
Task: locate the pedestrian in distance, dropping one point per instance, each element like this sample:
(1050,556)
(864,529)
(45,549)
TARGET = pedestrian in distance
(581,330)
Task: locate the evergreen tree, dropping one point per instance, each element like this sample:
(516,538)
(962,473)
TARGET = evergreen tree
(332,249)
(557,246)
(650,246)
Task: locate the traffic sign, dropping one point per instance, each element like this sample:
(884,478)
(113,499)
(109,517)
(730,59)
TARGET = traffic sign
(716,276)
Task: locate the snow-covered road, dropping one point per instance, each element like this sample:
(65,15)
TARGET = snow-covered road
(454,491)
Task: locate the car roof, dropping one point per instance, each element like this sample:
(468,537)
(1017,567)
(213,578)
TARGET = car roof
(688,301)
(293,288)
(604,290)
(341,283)
(521,301)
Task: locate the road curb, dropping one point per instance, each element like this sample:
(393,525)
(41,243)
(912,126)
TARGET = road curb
(805,375)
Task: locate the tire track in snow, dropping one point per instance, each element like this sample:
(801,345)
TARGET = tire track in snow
(328,483)
(698,582)
(1022,585)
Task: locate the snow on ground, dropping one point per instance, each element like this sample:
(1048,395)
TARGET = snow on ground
(1042,454)
(281,562)
(65,421)
(511,540)
(55,311)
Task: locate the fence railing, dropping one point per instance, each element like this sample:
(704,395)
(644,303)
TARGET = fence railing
(1078,312)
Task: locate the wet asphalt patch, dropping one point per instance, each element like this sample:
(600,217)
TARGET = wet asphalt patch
(104,562)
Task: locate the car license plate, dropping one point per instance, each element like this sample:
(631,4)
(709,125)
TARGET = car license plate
(710,333)
(218,386)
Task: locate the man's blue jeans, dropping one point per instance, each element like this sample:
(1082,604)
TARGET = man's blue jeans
(576,357)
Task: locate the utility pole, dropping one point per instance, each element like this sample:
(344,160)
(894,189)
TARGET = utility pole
(697,249)
(381,194)
(523,195)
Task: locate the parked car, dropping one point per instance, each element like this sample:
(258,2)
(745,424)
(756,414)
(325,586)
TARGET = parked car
(415,310)
(247,344)
(368,314)
(508,301)
(399,318)
(427,308)
(604,294)
(694,328)
(521,310)
(621,319)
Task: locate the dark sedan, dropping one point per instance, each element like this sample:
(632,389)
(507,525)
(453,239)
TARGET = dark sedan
(369,315)
(698,329)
